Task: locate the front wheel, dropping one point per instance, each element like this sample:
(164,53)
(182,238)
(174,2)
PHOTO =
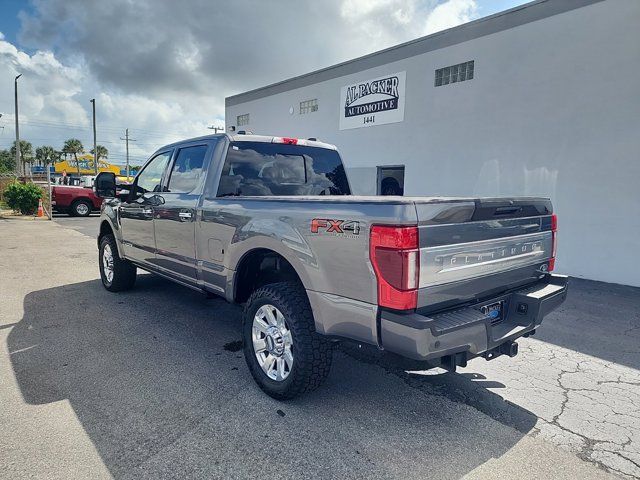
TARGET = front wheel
(116,273)
(285,355)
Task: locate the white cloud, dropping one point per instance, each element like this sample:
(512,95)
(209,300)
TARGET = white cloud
(163,69)
(449,14)
(54,106)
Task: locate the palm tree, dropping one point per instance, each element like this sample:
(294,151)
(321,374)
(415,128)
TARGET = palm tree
(46,155)
(102,152)
(26,153)
(73,146)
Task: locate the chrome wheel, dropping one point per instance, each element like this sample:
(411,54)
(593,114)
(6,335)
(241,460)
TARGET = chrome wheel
(82,209)
(272,342)
(107,263)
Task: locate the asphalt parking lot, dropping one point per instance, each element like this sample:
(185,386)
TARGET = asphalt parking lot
(150,383)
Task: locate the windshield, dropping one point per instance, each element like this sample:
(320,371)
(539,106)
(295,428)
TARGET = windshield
(264,169)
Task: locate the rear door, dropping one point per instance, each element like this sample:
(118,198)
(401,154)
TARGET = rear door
(136,214)
(176,214)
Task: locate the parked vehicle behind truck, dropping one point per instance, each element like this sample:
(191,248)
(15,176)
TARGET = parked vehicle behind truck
(77,201)
(270,223)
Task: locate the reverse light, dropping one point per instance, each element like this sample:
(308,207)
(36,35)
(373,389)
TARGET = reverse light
(395,255)
(554,242)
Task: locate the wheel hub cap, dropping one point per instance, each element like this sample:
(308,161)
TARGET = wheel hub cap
(107,263)
(275,341)
(272,342)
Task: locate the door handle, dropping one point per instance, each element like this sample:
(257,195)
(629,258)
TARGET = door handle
(185,216)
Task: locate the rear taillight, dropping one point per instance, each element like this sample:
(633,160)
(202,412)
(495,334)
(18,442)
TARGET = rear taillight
(395,256)
(554,242)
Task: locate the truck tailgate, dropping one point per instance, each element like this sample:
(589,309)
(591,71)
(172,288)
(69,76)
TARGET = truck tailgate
(473,249)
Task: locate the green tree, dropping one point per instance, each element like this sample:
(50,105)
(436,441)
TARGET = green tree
(26,153)
(7,162)
(73,146)
(46,155)
(103,152)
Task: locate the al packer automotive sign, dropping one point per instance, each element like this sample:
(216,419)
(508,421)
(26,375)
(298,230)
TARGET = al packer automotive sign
(373,102)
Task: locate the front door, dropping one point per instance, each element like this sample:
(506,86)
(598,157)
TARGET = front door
(136,214)
(175,217)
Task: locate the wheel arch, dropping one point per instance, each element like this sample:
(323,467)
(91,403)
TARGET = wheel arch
(260,266)
(83,199)
(106,228)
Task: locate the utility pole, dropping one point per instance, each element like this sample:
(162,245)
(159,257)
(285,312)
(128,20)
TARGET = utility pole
(18,168)
(215,129)
(127,139)
(95,146)
(50,211)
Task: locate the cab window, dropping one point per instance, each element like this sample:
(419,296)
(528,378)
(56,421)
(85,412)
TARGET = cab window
(266,169)
(150,179)
(187,169)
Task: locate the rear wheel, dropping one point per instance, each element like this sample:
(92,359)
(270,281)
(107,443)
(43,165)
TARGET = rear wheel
(285,355)
(116,273)
(81,208)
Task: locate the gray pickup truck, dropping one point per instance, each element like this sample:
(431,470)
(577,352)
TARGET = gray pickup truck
(270,222)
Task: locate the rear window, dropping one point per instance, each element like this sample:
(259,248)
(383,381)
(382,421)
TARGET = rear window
(264,169)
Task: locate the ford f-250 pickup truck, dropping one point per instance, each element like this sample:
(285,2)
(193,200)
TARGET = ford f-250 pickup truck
(270,222)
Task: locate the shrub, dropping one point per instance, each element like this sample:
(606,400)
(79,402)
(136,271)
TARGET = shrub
(23,197)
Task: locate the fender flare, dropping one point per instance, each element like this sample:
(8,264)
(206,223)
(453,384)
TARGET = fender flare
(106,219)
(262,242)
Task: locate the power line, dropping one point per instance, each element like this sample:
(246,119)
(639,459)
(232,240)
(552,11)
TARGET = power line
(51,124)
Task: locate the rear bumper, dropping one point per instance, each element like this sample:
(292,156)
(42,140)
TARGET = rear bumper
(467,329)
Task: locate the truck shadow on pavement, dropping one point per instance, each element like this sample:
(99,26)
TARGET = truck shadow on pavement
(148,377)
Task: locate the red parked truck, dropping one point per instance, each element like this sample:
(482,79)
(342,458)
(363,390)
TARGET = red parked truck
(77,201)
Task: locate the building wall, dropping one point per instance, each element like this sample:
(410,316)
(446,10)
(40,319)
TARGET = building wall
(553,110)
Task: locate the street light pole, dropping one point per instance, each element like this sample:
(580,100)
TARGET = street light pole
(18,168)
(215,129)
(95,146)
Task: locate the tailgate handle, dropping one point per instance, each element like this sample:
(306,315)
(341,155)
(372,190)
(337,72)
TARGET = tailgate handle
(507,210)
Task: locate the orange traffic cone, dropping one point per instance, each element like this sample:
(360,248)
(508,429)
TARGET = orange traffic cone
(40,209)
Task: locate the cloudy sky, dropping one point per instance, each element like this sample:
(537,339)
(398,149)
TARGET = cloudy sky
(163,68)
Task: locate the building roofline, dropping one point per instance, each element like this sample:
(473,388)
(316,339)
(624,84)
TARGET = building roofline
(520,15)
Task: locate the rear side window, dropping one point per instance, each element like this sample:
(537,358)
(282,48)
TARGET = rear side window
(265,169)
(187,169)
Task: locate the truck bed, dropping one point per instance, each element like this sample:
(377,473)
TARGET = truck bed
(338,263)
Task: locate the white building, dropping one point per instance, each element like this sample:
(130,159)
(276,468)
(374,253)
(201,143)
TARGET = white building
(543,99)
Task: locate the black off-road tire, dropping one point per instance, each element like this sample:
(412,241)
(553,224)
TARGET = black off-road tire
(124,272)
(312,353)
(73,210)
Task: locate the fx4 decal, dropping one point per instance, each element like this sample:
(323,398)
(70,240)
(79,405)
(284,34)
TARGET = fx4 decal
(327,225)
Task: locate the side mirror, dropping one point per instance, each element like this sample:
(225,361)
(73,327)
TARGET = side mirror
(104,185)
